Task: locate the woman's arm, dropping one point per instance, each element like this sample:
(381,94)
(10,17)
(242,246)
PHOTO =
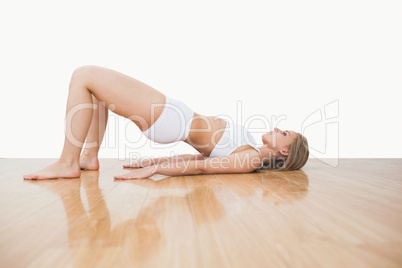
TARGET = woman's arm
(160,160)
(243,162)
(179,168)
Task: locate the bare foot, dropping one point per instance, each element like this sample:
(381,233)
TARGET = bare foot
(59,169)
(89,163)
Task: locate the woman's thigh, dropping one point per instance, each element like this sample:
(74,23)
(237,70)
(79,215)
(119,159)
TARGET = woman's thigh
(122,94)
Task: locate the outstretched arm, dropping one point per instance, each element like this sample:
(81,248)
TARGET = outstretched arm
(160,160)
(243,162)
(235,163)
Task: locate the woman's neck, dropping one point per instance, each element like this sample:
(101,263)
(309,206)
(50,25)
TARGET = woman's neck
(267,153)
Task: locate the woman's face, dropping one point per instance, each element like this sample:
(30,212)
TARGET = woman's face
(279,139)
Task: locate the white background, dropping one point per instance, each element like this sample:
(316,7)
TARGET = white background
(287,58)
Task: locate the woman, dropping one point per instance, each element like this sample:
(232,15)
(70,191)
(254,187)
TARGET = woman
(223,147)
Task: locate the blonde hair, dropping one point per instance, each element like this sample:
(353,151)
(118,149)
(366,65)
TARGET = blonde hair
(298,154)
(297,157)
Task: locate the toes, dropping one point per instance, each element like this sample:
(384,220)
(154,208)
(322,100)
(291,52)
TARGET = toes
(30,177)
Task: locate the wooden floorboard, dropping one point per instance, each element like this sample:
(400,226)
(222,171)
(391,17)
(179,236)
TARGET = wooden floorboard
(321,216)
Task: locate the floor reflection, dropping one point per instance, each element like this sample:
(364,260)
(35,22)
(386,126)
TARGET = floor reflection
(284,186)
(206,204)
(86,228)
(146,238)
(164,221)
(200,197)
(167,216)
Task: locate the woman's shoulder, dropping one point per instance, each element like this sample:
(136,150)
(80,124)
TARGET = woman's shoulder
(246,154)
(247,150)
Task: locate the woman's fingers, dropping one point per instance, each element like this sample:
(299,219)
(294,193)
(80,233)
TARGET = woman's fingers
(137,174)
(144,163)
(135,165)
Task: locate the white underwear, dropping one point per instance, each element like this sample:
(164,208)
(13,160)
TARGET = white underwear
(173,124)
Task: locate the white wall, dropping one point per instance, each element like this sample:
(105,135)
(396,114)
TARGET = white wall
(289,58)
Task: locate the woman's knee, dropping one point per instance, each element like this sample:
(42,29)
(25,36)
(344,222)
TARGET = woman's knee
(83,73)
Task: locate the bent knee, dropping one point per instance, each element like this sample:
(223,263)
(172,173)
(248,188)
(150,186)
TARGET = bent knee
(83,73)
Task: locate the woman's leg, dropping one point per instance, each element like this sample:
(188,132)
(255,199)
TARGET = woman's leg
(127,96)
(89,156)
(78,120)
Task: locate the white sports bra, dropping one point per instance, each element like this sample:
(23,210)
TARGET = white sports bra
(233,137)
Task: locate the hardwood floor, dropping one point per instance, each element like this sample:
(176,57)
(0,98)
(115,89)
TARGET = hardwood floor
(322,216)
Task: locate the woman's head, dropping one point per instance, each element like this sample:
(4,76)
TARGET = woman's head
(290,149)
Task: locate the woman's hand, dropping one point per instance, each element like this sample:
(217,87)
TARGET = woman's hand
(140,173)
(139,164)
